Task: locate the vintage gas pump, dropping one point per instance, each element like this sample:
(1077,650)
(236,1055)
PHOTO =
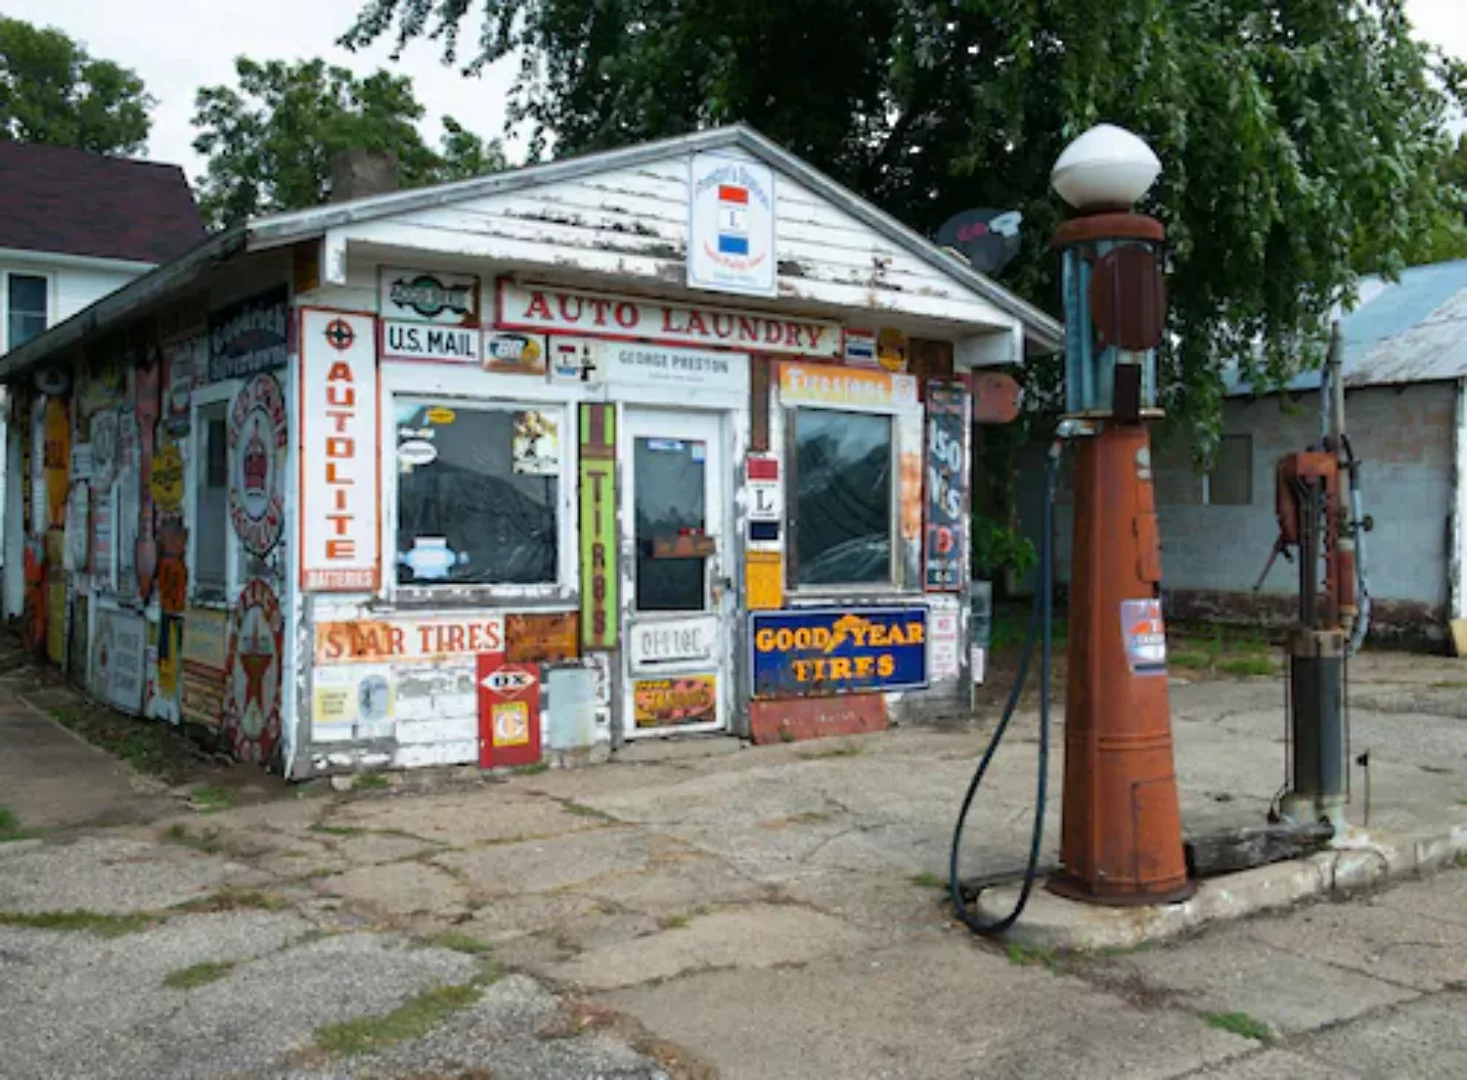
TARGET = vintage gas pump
(1121,837)
(1317,500)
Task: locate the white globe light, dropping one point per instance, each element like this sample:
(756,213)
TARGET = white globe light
(1107,167)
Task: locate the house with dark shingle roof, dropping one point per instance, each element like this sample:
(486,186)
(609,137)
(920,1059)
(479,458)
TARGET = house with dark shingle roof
(75,226)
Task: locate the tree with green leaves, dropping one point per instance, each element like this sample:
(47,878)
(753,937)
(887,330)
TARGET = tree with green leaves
(269,140)
(1301,141)
(52,91)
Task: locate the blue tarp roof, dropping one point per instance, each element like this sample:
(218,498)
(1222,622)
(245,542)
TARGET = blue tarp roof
(1406,331)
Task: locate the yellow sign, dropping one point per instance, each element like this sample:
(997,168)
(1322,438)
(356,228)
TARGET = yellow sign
(511,721)
(439,415)
(826,384)
(683,699)
(891,349)
(764,577)
(166,482)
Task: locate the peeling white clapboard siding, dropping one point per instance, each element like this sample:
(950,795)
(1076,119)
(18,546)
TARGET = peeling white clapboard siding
(633,223)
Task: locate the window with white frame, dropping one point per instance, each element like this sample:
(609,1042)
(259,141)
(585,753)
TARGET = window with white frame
(211,524)
(27,307)
(843,516)
(478,493)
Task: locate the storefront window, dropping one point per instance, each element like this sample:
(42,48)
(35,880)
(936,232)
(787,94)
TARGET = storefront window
(211,518)
(843,511)
(477,494)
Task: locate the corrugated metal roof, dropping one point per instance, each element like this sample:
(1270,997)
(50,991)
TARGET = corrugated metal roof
(1407,331)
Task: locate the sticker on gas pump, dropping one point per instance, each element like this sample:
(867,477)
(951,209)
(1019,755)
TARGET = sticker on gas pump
(1144,634)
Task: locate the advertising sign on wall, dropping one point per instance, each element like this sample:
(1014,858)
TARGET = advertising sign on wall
(552,309)
(838,650)
(598,526)
(352,702)
(429,296)
(509,712)
(428,638)
(548,637)
(205,652)
(250,336)
(675,702)
(819,384)
(440,344)
(118,659)
(252,681)
(944,550)
(682,639)
(731,225)
(666,365)
(257,451)
(339,459)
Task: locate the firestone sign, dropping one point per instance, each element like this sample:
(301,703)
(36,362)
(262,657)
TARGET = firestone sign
(544,308)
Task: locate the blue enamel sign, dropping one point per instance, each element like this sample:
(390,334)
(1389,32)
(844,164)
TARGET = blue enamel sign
(838,650)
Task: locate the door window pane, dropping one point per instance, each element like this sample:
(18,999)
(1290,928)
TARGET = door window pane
(842,498)
(26,299)
(671,502)
(213,525)
(477,494)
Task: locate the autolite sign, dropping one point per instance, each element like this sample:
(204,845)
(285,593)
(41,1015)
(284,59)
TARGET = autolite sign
(544,308)
(339,483)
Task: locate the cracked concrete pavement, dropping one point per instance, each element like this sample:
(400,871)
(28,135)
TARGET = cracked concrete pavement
(760,913)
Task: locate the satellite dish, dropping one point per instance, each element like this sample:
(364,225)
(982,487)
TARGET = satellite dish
(989,239)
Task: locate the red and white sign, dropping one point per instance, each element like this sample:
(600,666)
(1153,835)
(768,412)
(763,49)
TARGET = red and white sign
(509,712)
(339,471)
(548,309)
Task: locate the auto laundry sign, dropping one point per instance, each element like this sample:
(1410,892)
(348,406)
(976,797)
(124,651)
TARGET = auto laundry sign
(548,309)
(731,225)
(838,650)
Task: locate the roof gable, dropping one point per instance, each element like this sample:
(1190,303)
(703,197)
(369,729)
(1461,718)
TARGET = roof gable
(628,208)
(66,201)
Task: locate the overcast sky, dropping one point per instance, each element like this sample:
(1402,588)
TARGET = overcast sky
(180,45)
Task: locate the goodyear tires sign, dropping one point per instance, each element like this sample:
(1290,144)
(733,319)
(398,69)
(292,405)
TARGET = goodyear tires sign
(838,650)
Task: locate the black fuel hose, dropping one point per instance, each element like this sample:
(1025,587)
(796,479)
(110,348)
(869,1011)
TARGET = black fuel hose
(1039,626)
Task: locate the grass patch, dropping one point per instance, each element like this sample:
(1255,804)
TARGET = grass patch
(928,880)
(230,899)
(461,943)
(415,1018)
(1028,956)
(1239,1023)
(147,747)
(1189,658)
(1450,684)
(848,749)
(530,770)
(582,810)
(79,920)
(370,782)
(10,826)
(1246,665)
(207,842)
(676,922)
(337,830)
(809,817)
(197,975)
(208,799)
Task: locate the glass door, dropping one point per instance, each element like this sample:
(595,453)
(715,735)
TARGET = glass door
(676,644)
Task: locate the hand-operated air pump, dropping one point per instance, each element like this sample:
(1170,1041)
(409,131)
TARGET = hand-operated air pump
(1121,823)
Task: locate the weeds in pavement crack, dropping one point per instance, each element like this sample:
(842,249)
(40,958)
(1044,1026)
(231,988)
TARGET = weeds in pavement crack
(198,975)
(1239,1023)
(80,920)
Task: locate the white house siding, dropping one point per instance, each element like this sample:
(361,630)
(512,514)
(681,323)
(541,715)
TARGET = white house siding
(633,223)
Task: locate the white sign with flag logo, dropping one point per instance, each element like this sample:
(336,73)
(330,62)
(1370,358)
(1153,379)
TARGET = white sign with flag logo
(731,226)
(339,527)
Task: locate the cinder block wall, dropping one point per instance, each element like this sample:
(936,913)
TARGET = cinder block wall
(1212,555)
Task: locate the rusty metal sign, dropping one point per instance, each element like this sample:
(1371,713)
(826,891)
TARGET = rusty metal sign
(545,638)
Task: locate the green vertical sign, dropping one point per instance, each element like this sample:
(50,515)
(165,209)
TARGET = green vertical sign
(598,526)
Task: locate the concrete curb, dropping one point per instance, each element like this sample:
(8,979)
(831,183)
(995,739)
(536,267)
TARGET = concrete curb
(1360,862)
